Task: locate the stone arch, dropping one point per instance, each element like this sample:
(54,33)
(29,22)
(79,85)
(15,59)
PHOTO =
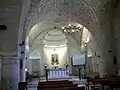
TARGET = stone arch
(91,15)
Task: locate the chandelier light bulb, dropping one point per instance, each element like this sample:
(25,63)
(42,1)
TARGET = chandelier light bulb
(73,30)
(69,24)
(64,30)
(63,27)
(77,30)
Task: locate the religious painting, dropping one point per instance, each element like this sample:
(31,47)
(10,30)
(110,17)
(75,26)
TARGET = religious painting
(55,59)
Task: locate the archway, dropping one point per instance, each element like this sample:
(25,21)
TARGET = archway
(75,41)
(91,22)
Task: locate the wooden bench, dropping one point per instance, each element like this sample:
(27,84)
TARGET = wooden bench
(51,82)
(70,82)
(111,82)
(65,88)
(59,85)
(114,85)
(22,85)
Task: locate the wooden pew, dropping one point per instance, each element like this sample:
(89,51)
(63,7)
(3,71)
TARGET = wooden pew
(114,85)
(70,82)
(51,82)
(106,81)
(65,88)
(59,85)
(22,85)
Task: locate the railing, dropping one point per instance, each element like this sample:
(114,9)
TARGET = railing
(58,73)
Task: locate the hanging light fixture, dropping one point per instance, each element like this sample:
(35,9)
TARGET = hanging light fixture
(71,29)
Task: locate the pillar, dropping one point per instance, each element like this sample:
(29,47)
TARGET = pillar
(106,58)
(69,61)
(22,70)
(10,72)
(22,61)
(0,70)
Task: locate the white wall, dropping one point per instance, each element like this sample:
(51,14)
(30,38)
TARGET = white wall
(62,55)
(35,64)
(29,65)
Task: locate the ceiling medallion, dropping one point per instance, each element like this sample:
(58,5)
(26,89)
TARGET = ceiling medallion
(71,29)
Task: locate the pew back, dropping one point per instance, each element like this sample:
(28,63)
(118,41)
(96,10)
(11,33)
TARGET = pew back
(59,85)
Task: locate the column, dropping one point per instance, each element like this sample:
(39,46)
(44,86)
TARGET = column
(0,70)
(69,61)
(22,70)
(10,72)
(86,54)
(106,57)
(21,54)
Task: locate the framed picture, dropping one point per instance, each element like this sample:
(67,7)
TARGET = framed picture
(54,59)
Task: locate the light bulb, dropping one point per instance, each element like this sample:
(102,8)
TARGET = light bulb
(26,70)
(63,27)
(77,30)
(69,24)
(64,30)
(73,30)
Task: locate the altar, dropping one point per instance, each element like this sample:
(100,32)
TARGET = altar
(58,73)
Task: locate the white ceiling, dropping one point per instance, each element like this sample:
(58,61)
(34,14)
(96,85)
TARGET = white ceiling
(54,38)
(45,34)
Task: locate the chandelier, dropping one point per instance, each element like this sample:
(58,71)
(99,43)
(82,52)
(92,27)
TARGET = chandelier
(71,29)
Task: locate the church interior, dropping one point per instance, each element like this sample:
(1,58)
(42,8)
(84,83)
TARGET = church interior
(59,44)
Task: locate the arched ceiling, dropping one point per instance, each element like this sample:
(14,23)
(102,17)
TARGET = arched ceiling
(42,30)
(57,13)
(85,12)
(57,10)
(54,38)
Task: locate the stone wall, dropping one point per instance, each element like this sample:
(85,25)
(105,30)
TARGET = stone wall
(116,28)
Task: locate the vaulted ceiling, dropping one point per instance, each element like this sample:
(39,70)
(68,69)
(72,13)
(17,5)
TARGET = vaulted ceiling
(60,12)
(46,14)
